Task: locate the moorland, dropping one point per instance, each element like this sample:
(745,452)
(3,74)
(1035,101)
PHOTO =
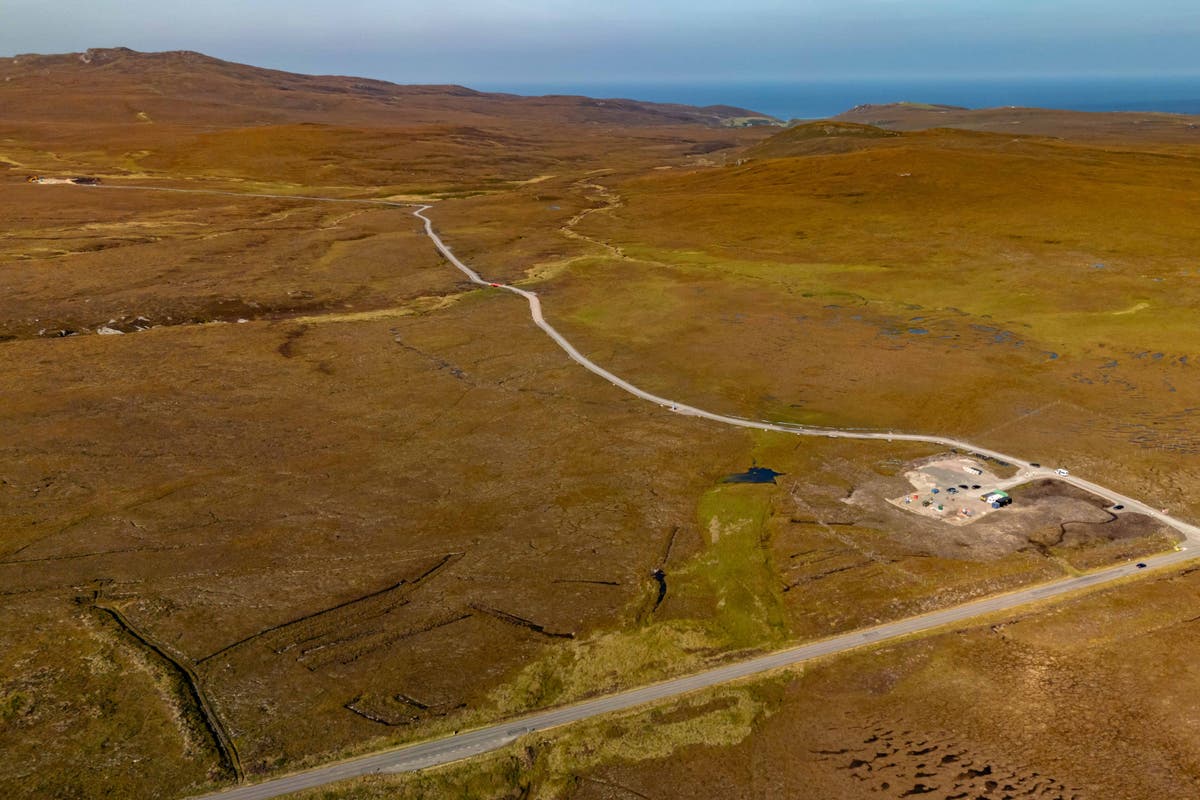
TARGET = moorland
(314,494)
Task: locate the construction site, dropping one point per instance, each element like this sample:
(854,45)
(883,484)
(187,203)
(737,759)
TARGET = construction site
(958,490)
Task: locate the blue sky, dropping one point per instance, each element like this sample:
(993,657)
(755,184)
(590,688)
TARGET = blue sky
(490,42)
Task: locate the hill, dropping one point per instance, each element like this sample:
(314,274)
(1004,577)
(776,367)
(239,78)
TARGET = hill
(278,486)
(1139,127)
(186,116)
(815,138)
(1014,271)
(118,85)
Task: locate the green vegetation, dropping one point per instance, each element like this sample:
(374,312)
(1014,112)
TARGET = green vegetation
(735,571)
(548,765)
(424,517)
(71,684)
(725,598)
(1028,294)
(1091,696)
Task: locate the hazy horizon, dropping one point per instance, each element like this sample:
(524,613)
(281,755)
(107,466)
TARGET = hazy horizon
(526,41)
(823,98)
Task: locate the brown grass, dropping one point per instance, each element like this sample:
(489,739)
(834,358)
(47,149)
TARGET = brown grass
(1089,699)
(386,506)
(951,280)
(1083,699)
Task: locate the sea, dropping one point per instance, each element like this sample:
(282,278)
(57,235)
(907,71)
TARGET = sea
(818,99)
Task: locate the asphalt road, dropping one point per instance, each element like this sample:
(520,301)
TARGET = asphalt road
(482,740)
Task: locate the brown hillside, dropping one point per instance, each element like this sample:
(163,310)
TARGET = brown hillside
(279,486)
(116,113)
(817,138)
(969,276)
(122,85)
(1139,126)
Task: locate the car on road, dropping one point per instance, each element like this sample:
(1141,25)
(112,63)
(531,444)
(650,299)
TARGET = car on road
(494,285)
(1061,471)
(1141,565)
(1117,507)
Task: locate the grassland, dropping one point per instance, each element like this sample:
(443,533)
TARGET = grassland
(384,506)
(316,500)
(341,567)
(224,506)
(134,260)
(547,766)
(1089,698)
(1139,129)
(1024,292)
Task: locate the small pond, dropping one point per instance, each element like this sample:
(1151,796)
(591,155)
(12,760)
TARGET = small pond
(753,475)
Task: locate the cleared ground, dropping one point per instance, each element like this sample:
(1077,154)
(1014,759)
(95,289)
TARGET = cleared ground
(947,489)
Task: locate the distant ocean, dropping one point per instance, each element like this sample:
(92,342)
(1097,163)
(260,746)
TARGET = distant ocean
(818,99)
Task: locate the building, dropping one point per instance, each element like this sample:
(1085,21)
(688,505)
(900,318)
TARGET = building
(997,499)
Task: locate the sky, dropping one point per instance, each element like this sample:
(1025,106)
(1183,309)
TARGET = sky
(493,42)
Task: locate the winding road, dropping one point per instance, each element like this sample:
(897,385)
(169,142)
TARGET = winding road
(481,740)
(1030,472)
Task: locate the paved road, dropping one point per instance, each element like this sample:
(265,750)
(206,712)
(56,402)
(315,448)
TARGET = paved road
(482,740)
(459,746)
